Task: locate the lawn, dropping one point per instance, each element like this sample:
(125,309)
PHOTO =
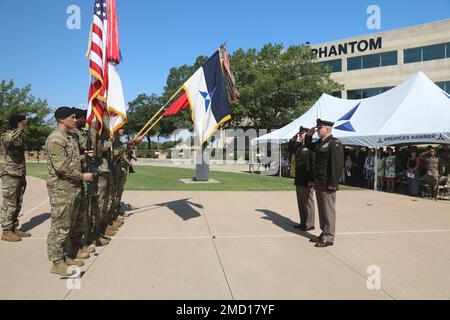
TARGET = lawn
(164,178)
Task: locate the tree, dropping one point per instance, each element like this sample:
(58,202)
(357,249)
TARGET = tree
(277,85)
(140,110)
(16,100)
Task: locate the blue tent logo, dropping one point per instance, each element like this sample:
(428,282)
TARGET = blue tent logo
(347,126)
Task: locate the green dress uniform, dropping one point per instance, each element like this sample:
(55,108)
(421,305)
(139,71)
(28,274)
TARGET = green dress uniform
(328,164)
(65,188)
(304,180)
(13,175)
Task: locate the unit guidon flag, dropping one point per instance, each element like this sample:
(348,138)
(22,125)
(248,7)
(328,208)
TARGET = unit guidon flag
(206,94)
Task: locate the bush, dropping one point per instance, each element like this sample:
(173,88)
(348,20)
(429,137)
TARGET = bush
(145,153)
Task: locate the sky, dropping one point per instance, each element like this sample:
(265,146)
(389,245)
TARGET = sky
(37,48)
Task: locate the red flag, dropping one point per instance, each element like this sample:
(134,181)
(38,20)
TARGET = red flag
(113,54)
(180,104)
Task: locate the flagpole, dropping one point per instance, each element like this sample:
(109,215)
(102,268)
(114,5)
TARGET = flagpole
(153,125)
(156,114)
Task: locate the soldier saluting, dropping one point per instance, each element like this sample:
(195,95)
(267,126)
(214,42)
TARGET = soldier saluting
(13,174)
(328,164)
(304,179)
(64,185)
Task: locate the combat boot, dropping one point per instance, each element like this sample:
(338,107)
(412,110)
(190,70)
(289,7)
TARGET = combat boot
(110,232)
(120,219)
(89,249)
(117,224)
(74,262)
(61,268)
(22,234)
(82,254)
(10,236)
(102,242)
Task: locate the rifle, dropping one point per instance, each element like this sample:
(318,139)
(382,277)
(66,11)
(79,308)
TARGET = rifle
(92,166)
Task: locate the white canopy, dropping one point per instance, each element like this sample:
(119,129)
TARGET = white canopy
(417,111)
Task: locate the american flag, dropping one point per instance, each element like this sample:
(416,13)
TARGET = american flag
(98,64)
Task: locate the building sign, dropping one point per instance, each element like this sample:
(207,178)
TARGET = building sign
(349,48)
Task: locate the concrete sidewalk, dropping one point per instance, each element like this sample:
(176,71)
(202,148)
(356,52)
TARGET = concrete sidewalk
(242,245)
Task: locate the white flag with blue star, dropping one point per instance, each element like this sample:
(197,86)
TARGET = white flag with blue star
(207,97)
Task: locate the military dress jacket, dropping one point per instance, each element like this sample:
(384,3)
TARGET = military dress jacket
(328,162)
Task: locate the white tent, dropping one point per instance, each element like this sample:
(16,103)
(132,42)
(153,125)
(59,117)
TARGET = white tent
(417,111)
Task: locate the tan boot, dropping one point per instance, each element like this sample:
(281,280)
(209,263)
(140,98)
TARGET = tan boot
(74,262)
(120,219)
(102,242)
(82,255)
(117,225)
(61,268)
(110,232)
(89,249)
(22,234)
(10,236)
(125,215)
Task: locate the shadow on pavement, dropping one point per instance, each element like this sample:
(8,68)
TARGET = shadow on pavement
(284,223)
(183,208)
(35,221)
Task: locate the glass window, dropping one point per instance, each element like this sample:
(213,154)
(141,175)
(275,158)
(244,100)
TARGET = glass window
(441,85)
(413,55)
(389,58)
(367,93)
(434,52)
(354,63)
(386,89)
(333,65)
(371,61)
(337,94)
(354,94)
(448,50)
(444,86)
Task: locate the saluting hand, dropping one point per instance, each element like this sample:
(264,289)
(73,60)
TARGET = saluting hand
(311,132)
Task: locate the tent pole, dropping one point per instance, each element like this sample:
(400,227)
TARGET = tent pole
(280,160)
(375,179)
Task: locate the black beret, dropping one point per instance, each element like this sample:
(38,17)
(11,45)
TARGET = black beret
(14,120)
(303,129)
(80,113)
(64,112)
(324,123)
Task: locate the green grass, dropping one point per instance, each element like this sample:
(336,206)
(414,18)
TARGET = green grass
(164,178)
(37,170)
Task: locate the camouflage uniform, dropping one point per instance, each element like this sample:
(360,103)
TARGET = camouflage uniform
(120,170)
(433,166)
(88,207)
(12,172)
(65,189)
(104,182)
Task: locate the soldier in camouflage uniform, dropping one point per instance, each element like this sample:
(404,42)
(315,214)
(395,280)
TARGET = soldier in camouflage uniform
(434,167)
(13,172)
(120,170)
(105,183)
(65,185)
(88,210)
